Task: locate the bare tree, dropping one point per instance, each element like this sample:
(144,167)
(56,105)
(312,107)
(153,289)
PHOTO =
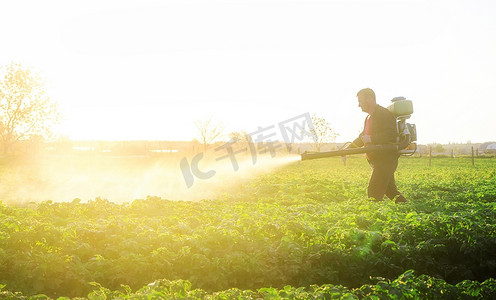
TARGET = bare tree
(322,132)
(25,109)
(208,131)
(241,138)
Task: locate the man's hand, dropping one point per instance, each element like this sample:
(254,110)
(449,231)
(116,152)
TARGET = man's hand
(366,139)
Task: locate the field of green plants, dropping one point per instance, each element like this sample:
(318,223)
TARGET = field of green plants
(305,231)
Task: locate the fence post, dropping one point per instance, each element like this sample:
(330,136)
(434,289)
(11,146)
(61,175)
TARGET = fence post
(430,156)
(472,155)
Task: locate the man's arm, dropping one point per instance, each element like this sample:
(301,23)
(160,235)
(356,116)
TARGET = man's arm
(357,143)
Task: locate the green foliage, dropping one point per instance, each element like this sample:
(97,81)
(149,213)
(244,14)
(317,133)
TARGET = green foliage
(305,231)
(406,286)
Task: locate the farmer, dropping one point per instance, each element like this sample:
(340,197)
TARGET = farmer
(379,128)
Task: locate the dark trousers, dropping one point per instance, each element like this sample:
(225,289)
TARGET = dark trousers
(382,179)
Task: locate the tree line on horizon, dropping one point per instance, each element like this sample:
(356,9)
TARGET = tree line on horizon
(27,116)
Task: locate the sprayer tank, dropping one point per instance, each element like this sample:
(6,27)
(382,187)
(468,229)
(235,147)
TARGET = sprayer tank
(400,106)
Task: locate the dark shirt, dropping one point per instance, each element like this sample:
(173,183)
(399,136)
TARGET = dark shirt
(382,130)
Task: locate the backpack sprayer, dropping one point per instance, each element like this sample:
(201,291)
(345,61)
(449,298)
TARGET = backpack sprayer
(402,110)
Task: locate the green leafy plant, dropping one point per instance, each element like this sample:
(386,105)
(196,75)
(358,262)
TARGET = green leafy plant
(306,230)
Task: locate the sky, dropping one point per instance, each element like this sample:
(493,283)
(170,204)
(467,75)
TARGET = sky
(124,70)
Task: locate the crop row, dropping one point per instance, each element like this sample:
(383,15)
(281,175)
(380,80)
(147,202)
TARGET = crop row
(308,224)
(406,286)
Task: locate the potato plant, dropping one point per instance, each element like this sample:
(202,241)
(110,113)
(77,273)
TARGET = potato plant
(304,231)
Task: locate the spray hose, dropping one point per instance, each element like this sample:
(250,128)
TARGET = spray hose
(350,151)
